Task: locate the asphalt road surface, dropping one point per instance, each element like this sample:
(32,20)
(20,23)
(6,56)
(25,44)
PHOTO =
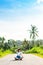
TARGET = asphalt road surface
(28,59)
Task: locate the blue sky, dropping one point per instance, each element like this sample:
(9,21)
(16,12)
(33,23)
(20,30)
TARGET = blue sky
(15,3)
(16,16)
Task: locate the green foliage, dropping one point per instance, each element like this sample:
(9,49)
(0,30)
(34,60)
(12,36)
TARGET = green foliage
(11,43)
(3,53)
(40,55)
(25,44)
(41,46)
(13,49)
(35,50)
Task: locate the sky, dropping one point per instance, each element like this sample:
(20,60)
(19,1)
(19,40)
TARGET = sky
(16,17)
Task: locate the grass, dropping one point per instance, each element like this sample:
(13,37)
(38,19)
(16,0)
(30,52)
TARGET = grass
(36,51)
(39,55)
(4,53)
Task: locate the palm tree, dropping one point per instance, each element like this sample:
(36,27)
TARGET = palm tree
(33,32)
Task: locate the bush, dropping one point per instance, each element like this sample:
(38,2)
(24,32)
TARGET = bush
(13,50)
(41,46)
(35,50)
(3,53)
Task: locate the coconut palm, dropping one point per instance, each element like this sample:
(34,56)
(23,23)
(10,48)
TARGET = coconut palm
(33,32)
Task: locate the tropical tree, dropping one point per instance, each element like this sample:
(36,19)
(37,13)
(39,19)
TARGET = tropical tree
(2,39)
(6,46)
(11,43)
(33,33)
(0,42)
(25,44)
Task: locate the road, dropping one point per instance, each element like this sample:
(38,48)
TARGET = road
(28,59)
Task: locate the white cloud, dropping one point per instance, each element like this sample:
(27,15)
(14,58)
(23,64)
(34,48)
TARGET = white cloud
(38,8)
(39,1)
